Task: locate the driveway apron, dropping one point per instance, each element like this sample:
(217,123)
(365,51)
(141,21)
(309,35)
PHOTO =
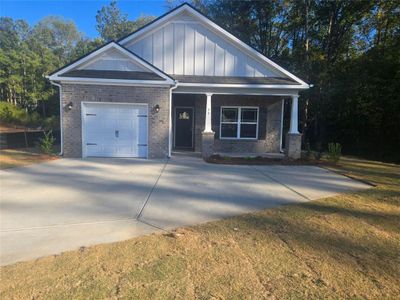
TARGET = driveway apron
(65,204)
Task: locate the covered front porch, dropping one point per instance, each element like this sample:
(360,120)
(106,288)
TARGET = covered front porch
(234,124)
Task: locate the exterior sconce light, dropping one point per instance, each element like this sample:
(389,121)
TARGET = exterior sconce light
(157,108)
(69,106)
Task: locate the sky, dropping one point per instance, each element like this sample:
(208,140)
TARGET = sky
(82,12)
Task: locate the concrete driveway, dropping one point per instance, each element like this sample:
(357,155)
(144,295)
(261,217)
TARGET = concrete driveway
(65,204)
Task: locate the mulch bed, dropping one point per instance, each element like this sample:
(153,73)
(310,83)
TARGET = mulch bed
(259,160)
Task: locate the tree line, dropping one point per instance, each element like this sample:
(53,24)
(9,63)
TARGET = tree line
(348,49)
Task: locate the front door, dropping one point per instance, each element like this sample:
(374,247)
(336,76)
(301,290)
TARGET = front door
(184,121)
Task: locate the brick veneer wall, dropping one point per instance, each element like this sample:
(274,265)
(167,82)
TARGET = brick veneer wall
(270,109)
(77,93)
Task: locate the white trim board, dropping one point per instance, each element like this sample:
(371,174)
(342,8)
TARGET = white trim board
(103,81)
(239,122)
(57,76)
(84,155)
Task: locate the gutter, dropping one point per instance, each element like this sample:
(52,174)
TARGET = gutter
(170,120)
(282,115)
(61,118)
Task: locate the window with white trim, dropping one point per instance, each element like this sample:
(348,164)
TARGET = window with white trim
(239,122)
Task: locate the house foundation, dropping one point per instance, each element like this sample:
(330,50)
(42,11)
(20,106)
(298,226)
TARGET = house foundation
(293,145)
(207,144)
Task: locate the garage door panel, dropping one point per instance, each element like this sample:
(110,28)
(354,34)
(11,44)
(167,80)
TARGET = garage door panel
(127,124)
(126,114)
(142,151)
(142,130)
(114,130)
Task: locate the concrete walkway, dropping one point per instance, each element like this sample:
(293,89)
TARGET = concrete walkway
(65,204)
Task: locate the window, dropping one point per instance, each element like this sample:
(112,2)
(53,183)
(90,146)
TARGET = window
(239,122)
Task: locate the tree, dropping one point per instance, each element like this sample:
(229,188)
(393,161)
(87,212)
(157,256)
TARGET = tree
(112,24)
(348,49)
(56,34)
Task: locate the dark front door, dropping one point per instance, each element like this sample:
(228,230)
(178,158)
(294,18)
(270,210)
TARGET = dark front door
(184,127)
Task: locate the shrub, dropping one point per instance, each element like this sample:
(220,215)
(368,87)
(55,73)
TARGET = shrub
(50,123)
(11,114)
(5,114)
(47,143)
(334,152)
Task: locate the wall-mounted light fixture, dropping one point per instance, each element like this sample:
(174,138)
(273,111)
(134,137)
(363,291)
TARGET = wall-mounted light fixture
(156,108)
(69,106)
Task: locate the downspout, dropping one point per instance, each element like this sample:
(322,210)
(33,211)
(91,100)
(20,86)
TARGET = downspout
(61,118)
(170,120)
(282,114)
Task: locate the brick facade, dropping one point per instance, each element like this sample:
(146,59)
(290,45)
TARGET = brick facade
(293,145)
(77,93)
(269,130)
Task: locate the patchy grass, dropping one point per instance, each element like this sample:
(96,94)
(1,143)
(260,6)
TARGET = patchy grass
(10,158)
(340,247)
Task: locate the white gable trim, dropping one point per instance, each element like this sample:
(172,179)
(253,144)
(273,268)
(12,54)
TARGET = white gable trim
(57,76)
(156,24)
(119,82)
(141,33)
(239,85)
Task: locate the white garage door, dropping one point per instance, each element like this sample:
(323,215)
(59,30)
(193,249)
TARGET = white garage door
(114,130)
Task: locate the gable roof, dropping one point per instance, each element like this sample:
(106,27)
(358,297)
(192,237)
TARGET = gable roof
(71,72)
(111,74)
(187,8)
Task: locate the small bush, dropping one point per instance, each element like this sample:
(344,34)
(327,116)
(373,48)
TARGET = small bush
(11,114)
(6,114)
(47,143)
(334,152)
(51,123)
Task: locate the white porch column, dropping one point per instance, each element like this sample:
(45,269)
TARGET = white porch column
(294,123)
(208,114)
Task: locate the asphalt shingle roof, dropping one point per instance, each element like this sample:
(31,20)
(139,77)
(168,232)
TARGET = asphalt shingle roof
(233,80)
(109,74)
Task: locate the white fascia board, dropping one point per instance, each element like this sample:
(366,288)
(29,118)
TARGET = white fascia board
(225,34)
(84,59)
(236,91)
(114,45)
(259,86)
(103,81)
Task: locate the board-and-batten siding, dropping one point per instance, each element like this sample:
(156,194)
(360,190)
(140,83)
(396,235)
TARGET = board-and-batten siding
(189,48)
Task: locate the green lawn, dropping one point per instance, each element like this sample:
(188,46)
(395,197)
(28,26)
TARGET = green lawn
(346,246)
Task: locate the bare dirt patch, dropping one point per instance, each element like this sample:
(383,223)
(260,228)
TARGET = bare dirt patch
(11,158)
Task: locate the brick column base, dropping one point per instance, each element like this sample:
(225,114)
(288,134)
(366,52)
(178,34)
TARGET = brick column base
(293,145)
(207,144)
